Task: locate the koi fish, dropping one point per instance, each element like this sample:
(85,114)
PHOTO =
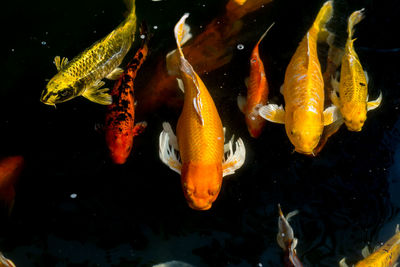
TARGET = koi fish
(210,50)
(200,137)
(83,75)
(173,263)
(303,90)
(286,239)
(385,256)
(353,101)
(120,127)
(10,169)
(4,262)
(257,92)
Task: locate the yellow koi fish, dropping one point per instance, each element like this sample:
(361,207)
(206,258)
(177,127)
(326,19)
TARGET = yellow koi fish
(303,90)
(353,92)
(4,262)
(385,256)
(200,136)
(83,75)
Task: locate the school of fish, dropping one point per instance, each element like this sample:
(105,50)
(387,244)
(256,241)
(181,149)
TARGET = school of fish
(316,103)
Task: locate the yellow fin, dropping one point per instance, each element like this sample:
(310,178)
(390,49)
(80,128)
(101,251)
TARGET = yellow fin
(354,18)
(233,160)
(272,113)
(365,252)
(375,103)
(241,102)
(324,15)
(99,96)
(331,115)
(115,74)
(60,63)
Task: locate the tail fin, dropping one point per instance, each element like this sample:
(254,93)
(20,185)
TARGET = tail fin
(324,15)
(182,33)
(130,4)
(265,33)
(354,18)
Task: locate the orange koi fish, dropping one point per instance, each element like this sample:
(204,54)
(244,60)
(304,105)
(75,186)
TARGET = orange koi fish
(4,262)
(353,101)
(120,128)
(200,136)
(385,256)
(286,239)
(210,50)
(303,90)
(10,169)
(257,92)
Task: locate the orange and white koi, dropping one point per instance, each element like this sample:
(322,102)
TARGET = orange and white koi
(4,262)
(257,92)
(200,136)
(10,169)
(120,128)
(353,91)
(303,90)
(385,256)
(286,239)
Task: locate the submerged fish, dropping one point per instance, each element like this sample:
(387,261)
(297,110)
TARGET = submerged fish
(353,91)
(257,92)
(83,75)
(10,169)
(303,90)
(385,256)
(173,263)
(120,125)
(200,137)
(4,262)
(286,239)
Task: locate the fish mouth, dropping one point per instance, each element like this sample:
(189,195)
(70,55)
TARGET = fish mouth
(198,207)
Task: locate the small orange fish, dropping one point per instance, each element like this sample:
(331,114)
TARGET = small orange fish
(257,92)
(120,127)
(200,136)
(385,256)
(303,90)
(10,169)
(286,239)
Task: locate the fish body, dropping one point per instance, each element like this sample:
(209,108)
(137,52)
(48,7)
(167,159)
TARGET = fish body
(83,74)
(10,169)
(303,90)
(353,87)
(4,262)
(199,139)
(385,256)
(286,240)
(120,118)
(257,92)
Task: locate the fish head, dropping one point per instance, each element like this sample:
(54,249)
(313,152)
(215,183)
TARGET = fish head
(59,89)
(305,131)
(119,145)
(354,115)
(201,184)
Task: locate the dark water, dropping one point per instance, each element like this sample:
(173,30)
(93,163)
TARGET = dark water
(136,215)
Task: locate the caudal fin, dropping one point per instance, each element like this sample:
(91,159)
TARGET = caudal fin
(354,19)
(130,4)
(323,17)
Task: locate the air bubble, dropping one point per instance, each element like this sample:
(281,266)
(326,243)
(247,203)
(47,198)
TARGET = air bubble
(240,47)
(142,36)
(155,27)
(43,43)
(73,195)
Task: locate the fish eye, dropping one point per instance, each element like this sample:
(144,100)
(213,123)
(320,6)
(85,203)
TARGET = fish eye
(253,60)
(362,121)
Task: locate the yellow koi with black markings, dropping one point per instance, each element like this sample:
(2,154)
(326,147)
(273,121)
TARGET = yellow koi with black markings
(83,75)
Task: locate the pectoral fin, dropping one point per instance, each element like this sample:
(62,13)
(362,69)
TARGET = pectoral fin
(365,252)
(115,74)
(342,263)
(331,115)
(60,63)
(335,84)
(241,102)
(167,153)
(273,113)
(234,161)
(99,96)
(335,99)
(328,132)
(374,104)
(139,128)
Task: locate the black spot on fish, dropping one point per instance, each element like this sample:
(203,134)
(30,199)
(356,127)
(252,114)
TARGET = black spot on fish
(124,103)
(121,117)
(140,56)
(362,84)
